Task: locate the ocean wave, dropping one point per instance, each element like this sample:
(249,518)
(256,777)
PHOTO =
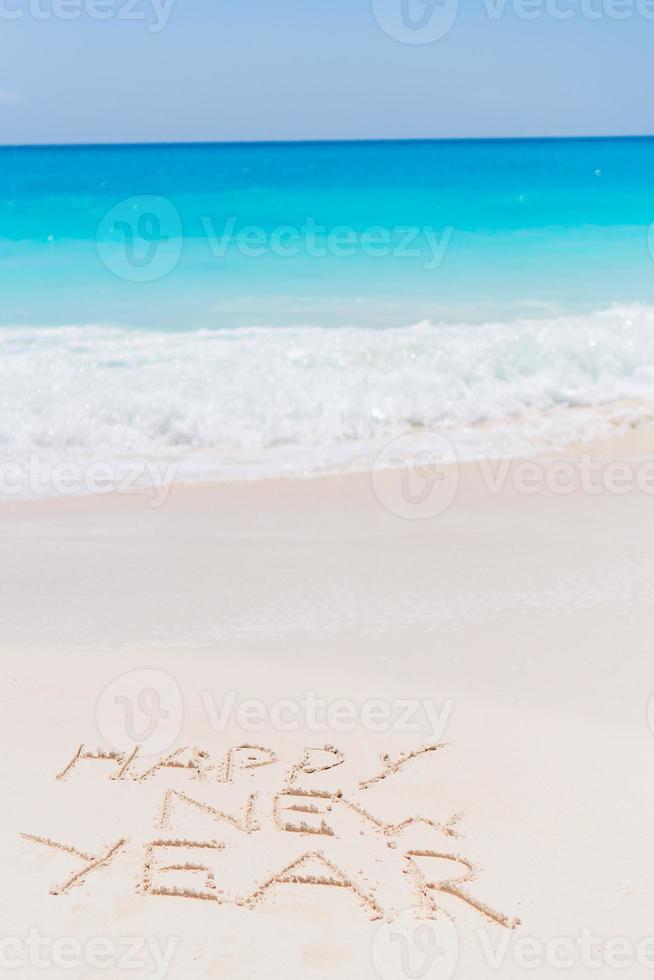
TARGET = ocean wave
(263,401)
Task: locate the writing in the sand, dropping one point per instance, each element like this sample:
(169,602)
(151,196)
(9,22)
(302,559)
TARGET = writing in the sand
(174,863)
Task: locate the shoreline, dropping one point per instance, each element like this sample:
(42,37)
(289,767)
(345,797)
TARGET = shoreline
(293,402)
(630,447)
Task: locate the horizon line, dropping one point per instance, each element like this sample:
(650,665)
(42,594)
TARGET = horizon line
(326,141)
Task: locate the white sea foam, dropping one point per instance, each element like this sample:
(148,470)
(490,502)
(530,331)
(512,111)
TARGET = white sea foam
(265,401)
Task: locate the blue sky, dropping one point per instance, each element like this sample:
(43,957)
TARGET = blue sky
(321,69)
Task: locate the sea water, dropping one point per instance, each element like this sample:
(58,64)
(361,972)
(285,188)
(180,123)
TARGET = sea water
(256,309)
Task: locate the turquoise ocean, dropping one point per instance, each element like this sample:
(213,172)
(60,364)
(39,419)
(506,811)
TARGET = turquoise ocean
(261,309)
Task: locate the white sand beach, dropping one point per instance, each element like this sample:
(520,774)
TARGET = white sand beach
(295,641)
